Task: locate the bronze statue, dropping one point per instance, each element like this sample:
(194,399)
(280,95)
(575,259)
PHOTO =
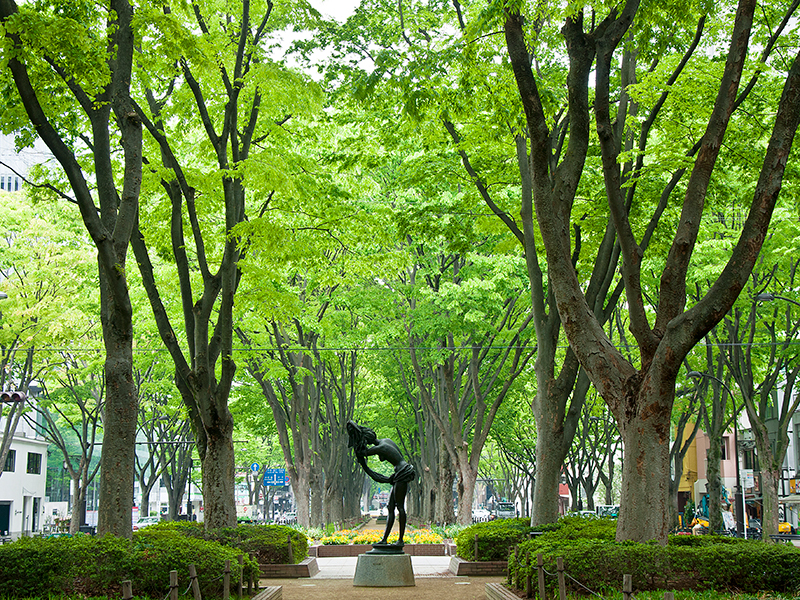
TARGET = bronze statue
(365,442)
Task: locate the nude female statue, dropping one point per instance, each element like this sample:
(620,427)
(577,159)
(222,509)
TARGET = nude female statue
(365,442)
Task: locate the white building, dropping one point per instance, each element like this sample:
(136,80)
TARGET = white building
(22,484)
(14,166)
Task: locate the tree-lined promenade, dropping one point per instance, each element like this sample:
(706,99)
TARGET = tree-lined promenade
(499,233)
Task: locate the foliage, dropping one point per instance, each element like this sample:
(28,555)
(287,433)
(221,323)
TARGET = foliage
(686,563)
(266,543)
(494,538)
(35,567)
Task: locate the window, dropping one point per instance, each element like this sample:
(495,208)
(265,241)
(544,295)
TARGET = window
(724,448)
(11,458)
(34,463)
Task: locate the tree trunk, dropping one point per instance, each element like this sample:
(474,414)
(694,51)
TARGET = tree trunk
(466,489)
(118,460)
(444,510)
(770,482)
(218,464)
(645,474)
(714,485)
(549,460)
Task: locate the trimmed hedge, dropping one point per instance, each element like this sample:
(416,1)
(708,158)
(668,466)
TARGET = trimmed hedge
(266,543)
(494,538)
(96,566)
(596,561)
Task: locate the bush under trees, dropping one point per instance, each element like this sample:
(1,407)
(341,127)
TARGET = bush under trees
(36,567)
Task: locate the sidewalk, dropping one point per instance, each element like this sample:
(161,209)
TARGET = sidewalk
(345,567)
(432,577)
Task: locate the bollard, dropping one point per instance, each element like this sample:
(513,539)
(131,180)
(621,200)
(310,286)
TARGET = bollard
(627,587)
(239,588)
(516,568)
(173,585)
(291,551)
(562,585)
(127,590)
(226,581)
(476,547)
(195,583)
(540,569)
(669,596)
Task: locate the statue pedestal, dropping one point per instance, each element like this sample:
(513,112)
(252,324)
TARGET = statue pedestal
(384,570)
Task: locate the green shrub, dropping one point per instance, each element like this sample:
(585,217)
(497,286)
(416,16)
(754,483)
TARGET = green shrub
(494,538)
(96,566)
(268,544)
(706,563)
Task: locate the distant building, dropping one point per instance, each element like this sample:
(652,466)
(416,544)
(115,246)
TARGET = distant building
(15,166)
(22,484)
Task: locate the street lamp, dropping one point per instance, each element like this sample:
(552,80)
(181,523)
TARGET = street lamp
(769,297)
(738,494)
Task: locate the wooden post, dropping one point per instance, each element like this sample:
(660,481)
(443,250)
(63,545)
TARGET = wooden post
(226,581)
(540,569)
(476,548)
(173,585)
(516,567)
(195,583)
(627,587)
(291,551)
(127,590)
(562,585)
(241,576)
(528,576)
(669,596)
(254,580)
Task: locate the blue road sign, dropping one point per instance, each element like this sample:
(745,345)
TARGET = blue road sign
(255,467)
(275,477)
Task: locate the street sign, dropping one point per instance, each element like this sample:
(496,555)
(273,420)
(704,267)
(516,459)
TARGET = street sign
(276,477)
(255,467)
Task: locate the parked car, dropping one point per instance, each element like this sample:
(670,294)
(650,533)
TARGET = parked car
(505,510)
(145,521)
(479,515)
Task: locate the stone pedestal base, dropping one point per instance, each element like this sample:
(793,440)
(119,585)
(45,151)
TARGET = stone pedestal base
(384,570)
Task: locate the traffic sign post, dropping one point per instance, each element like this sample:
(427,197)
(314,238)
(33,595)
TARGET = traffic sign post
(275,477)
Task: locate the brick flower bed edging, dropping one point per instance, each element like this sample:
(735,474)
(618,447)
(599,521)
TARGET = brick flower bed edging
(307,568)
(459,566)
(330,551)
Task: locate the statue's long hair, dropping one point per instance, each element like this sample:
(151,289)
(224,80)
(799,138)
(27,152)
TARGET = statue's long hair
(360,437)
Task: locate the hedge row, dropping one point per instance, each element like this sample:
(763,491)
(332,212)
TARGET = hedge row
(595,560)
(96,566)
(267,543)
(745,566)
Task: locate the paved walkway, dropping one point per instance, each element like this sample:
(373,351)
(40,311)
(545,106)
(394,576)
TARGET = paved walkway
(432,576)
(345,567)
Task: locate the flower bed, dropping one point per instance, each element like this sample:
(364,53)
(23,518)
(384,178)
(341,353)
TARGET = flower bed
(373,536)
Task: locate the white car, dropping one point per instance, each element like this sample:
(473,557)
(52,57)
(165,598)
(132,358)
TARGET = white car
(145,521)
(479,515)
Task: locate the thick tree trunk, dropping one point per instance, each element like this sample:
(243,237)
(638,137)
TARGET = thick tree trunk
(714,485)
(444,511)
(118,460)
(549,460)
(770,482)
(645,471)
(218,478)
(466,491)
